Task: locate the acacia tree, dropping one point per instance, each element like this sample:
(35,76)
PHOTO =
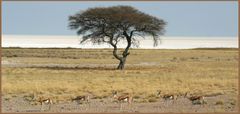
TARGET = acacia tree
(113,24)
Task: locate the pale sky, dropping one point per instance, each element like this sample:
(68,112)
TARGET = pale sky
(184,18)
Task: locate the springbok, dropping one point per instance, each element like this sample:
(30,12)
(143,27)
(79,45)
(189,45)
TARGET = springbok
(167,96)
(123,98)
(81,98)
(195,99)
(45,100)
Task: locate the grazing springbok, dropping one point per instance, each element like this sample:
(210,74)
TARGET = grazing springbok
(45,100)
(167,96)
(81,98)
(122,98)
(195,99)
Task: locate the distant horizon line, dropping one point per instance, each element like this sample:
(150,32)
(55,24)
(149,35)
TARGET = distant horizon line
(209,48)
(80,35)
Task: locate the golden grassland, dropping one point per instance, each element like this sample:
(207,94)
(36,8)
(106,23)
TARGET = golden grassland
(83,71)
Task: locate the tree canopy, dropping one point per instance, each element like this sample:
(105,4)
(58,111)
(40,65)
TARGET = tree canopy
(116,23)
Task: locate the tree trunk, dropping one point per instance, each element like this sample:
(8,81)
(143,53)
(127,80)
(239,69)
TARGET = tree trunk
(125,52)
(122,63)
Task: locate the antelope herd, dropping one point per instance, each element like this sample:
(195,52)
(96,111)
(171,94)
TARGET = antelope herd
(128,98)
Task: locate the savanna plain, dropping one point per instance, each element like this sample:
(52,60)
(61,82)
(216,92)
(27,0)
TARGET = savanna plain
(62,74)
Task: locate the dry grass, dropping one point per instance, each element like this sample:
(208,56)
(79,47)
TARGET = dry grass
(64,73)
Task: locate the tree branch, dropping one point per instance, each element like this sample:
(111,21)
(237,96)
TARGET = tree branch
(125,53)
(115,49)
